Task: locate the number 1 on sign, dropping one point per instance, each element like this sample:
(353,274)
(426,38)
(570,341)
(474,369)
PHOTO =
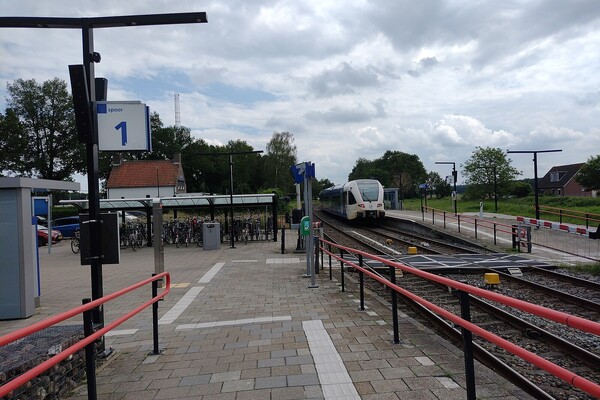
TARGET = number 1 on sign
(123,128)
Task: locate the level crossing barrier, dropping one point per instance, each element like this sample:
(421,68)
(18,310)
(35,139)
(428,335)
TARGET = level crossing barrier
(90,335)
(468,328)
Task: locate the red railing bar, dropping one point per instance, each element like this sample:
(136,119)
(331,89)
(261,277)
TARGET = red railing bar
(44,366)
(564,374)
(38,326)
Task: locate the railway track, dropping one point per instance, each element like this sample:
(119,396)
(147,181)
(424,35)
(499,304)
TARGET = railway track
(573,350)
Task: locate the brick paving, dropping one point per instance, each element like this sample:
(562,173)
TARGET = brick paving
(255,330)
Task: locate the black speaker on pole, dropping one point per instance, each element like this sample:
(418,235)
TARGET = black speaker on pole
(81,102)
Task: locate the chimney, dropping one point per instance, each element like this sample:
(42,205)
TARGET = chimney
(117,159)
(177,158)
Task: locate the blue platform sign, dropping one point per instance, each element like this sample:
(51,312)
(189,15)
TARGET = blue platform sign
(303,171)
(123,126)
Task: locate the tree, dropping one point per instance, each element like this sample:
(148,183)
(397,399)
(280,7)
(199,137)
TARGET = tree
(393,169)
(440,187)
(479,171)
(281,155)
(319,185)
(589,174)
(13,143)
(47,118)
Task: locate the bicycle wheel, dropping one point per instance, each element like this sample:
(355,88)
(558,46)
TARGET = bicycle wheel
(75,246)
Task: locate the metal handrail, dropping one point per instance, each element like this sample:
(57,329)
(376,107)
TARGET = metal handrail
(38,326)
(557,316)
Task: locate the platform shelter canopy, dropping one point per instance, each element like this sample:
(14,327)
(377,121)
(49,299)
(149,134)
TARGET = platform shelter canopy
(180,202)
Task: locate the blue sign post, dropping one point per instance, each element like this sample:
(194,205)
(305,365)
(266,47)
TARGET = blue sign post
(303,173)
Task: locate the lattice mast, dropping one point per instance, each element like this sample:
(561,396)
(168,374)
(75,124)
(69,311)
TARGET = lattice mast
(177,113)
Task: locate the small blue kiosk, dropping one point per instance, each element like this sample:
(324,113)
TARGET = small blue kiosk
(19,283)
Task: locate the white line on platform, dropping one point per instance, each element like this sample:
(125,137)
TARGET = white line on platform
(211,273)
(283,260)
(335,380)
(180,306)
(121,332)
(256,320)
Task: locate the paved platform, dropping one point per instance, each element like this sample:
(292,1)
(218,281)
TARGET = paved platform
(242,323)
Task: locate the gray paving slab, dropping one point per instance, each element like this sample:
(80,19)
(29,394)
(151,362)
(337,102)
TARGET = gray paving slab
(254,331)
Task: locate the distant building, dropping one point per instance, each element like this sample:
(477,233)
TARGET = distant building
(149,178)
(560,181)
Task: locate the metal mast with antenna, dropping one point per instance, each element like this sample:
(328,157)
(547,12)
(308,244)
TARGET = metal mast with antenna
(177,114)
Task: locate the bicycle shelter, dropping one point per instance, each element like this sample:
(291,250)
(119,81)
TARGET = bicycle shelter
(208,203)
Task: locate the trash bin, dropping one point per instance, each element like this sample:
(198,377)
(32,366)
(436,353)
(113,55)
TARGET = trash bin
(211,236)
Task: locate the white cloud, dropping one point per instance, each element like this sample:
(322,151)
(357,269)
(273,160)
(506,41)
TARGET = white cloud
(433,78)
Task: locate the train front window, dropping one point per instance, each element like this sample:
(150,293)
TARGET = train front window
(351,199)
(369,191)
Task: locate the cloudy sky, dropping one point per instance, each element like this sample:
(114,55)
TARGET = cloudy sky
(351,79)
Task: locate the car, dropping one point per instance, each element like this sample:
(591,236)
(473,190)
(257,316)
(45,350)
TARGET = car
(42,234)
(67,225)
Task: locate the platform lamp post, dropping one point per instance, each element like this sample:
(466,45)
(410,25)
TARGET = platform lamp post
(454,178)
(535,174)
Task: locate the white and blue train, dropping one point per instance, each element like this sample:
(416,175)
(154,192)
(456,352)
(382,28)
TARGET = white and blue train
(362,198)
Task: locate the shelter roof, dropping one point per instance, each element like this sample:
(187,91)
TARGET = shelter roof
(240,200)
(145,173)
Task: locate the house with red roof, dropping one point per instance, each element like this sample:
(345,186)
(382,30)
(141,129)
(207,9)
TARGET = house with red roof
(560,181)
(147,178)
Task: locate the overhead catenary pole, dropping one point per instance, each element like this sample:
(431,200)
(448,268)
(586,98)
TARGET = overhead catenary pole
(535,174)
(454,177)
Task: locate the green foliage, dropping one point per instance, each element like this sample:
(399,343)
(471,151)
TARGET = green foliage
(589,175)
(280,156)
(393,169)
(486,165)
(319,185)
(44,137)
(521,189)
(440,187)
(13,141)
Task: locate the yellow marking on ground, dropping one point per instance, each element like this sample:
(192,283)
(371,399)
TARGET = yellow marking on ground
(180,285)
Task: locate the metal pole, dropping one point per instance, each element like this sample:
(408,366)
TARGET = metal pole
(535,187)
(155,317)
(93,177)
(90,353)
(495,191)
(342,269)
(310,247)
(330,266)
(467,345)
(361,277)
(455,176)
(394,306)
(231,200)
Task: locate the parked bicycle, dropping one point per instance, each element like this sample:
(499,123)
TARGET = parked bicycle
(75,242)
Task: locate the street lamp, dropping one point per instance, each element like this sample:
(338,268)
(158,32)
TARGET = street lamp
(535,180)
(454,176)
